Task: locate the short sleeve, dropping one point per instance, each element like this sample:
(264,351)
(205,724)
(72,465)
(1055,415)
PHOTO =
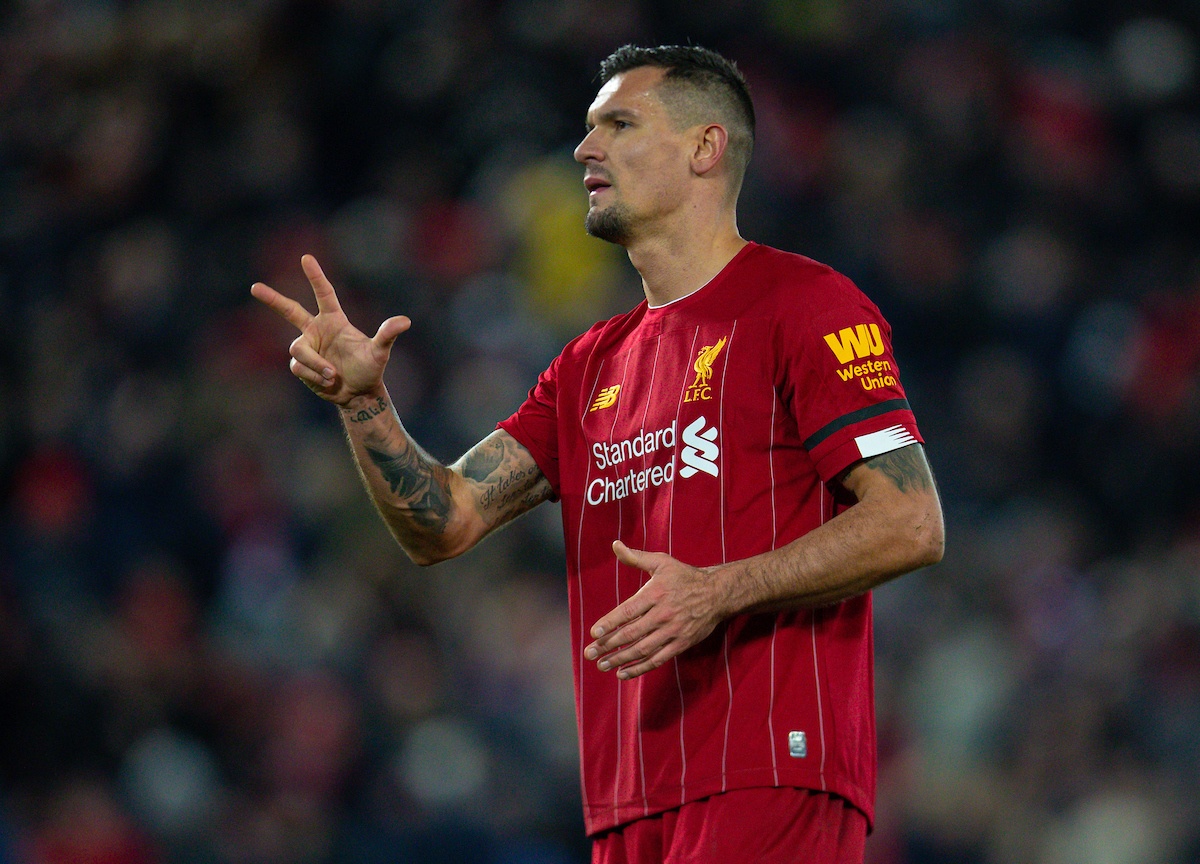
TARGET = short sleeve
(535,424)
(841,380)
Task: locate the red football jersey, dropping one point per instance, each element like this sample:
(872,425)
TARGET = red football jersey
(708,429)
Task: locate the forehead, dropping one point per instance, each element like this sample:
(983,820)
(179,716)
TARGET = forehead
(635,91)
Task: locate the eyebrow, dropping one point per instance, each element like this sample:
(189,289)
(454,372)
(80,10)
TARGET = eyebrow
(610,114)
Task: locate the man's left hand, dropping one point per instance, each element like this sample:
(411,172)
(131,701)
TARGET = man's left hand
(677,608)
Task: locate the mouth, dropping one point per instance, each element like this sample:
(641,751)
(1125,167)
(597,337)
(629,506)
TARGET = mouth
(595,184)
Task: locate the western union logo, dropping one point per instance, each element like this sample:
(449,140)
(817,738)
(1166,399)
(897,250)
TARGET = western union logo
(606,399)
(704,371)
(855,342)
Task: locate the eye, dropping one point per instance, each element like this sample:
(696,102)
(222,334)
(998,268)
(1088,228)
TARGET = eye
(620,124)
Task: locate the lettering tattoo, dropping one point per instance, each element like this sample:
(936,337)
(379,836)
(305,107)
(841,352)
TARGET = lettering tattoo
(505,479)
(906,468)
(499,493)
(420,484)
(369,413)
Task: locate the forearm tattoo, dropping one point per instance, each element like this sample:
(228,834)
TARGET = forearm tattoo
(505,480)
(480,462)
(369,413)
(421,485)
(906,468)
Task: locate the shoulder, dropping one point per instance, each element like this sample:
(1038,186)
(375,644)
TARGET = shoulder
(799,284)
(601,335)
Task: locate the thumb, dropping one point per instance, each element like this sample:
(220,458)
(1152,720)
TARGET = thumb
(638,558)
(389,330)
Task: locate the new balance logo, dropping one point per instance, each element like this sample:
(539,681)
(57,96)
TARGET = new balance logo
(606,398)
(700,452)
(855,342)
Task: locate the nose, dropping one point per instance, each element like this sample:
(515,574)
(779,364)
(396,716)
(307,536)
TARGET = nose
(588,148)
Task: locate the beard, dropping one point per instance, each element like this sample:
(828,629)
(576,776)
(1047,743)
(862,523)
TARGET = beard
(611,224)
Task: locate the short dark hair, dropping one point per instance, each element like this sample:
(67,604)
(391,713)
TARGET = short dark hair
(703,72)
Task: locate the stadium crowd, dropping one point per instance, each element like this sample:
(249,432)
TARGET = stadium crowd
(212,653)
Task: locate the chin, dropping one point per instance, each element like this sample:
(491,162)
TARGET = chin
(611,224)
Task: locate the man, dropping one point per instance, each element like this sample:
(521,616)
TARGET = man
(707,447)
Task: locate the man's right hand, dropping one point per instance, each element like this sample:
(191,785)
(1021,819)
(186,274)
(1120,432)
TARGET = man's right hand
(334,359)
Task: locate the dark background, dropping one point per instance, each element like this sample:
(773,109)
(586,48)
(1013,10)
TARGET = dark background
(210,649)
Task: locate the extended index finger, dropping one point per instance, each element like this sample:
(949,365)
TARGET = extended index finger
(327,300)
(285,307)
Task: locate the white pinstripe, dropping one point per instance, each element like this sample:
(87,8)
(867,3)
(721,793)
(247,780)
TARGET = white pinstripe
(775,623)
(678,408)
(724,552)
(579,571)
(816,664)
(728,711)
(645,540)
(617,591)
(721,437)
(670,551)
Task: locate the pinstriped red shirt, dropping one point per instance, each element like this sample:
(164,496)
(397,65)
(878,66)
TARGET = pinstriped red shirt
(709,428)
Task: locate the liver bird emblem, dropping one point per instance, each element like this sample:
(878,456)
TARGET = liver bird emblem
(704,362)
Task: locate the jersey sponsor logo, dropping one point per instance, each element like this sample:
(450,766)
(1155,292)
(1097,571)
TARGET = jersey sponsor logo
(642,444)
(698,456)
(606,398)
(704,371)
(871,375)
(883,441)
(701,452)
(605,489)
(858,342)
(602,490)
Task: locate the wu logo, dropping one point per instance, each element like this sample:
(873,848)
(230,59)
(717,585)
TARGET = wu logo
(700,452)
(851,342)
(704,371)
(606,398)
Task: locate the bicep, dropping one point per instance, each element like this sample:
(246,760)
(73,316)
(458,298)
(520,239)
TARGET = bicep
(500,480)
(904,471)
(899,492)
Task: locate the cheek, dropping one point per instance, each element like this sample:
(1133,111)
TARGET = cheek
(660,173)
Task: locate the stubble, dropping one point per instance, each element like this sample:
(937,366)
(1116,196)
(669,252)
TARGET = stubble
(611,223)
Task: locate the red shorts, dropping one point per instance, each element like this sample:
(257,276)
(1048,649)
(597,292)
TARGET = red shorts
(768,825)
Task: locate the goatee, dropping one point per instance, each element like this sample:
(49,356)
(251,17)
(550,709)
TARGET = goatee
(611,224)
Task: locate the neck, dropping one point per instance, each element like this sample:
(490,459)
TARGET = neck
(673,264)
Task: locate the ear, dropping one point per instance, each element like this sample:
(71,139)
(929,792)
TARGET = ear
(711,142)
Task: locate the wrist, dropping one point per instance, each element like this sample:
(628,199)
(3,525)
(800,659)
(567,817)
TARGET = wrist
(726,589)
(365,406)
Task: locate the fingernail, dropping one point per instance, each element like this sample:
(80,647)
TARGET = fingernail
(328,373)
(597,631)
(590,653)
(603,665)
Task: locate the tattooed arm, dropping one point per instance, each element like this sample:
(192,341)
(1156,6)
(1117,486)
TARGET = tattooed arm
(435,511)
(895,527)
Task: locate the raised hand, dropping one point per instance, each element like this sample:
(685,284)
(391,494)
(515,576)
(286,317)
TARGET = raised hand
(334,359)
(673,611)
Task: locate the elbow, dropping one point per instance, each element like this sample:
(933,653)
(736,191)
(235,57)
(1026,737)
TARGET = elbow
(423,554)
(423,558)
(435,551)
(933,548)
(929,544)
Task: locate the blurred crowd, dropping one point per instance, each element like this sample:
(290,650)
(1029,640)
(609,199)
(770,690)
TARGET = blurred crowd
(212,653)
